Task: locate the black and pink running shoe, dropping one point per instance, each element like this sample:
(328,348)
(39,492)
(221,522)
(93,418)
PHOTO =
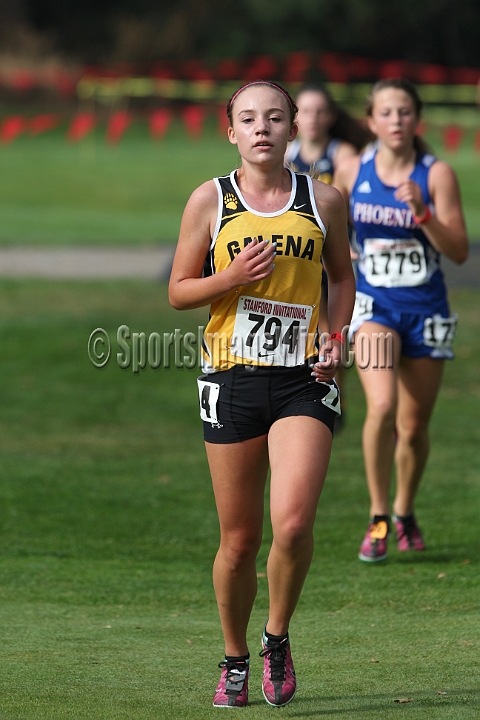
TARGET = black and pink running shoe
(279,683)
(409,536)
(232,690)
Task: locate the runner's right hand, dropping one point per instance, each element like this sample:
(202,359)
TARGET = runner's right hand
(255,262)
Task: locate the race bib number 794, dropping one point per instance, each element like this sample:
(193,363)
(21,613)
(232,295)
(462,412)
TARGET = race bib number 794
(270,332)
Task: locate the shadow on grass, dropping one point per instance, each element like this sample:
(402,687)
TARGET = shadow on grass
(452,555)
(379,703)
(447,557)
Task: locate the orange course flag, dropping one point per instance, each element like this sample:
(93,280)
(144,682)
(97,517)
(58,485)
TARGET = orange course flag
(159,122)
(11,128)
(42,123)
(82,124)
(452,137)
(117,125)
(194,117)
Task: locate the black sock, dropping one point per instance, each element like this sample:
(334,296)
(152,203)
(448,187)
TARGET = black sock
(275,639)
(404,518)
(238,658)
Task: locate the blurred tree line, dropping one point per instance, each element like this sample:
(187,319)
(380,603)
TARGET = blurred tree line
(142,31)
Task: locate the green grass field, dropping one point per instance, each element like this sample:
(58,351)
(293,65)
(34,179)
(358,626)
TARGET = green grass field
(109,531)
(55,193)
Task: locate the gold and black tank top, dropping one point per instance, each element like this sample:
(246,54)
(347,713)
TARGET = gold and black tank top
(273,321)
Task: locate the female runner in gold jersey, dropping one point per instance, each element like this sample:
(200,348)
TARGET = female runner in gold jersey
(251,246)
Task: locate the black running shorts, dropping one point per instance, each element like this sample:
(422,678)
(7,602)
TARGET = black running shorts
(245,401)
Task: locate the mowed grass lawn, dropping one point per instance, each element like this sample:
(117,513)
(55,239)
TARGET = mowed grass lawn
(56,193)
(109,530)
(53,192)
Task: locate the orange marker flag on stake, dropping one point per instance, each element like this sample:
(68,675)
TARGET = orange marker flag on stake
(11,128)
(117,125)
(82,124)
(296,67)
(452,137)
(42,123)
(194,117)
(159,122)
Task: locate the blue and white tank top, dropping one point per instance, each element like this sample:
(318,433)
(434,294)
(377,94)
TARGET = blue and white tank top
(323,166)
(397,265)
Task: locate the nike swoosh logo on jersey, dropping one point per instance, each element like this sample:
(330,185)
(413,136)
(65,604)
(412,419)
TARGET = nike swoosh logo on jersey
(364,187)
(297,207)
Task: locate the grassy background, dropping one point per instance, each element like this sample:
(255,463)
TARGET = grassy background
(56,193)
(108,525)
(109,531)
(53,192)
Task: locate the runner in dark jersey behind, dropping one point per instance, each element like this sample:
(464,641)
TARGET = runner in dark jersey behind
(327,135)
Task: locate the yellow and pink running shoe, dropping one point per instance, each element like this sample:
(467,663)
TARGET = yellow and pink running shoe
(374,545)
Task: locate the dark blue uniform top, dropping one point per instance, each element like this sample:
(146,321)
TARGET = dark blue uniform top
(323,166)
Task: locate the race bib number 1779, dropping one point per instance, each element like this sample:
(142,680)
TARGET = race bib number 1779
(394,263)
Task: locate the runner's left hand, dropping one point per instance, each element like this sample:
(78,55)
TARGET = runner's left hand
(329,360)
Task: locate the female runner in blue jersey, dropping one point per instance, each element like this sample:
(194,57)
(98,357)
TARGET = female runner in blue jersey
(406,209)
(250,246)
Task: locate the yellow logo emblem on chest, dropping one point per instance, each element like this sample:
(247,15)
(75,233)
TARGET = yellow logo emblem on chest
(230,201)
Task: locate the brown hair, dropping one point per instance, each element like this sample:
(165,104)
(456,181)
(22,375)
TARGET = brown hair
(291,105)
(345,127)
(400,84)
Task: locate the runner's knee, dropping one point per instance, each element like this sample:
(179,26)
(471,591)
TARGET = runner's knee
(292,533)
(382,409)
(413,432)
(239,547)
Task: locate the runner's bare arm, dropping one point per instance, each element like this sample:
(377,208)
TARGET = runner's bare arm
(344,176)
(344,180)
(345,150)
(338,265)
(446,229)
(187,288)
